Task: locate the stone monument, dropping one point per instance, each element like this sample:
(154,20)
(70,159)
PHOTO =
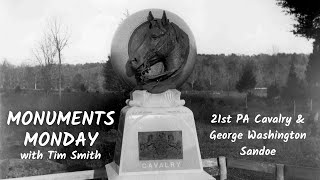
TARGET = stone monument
(154,52)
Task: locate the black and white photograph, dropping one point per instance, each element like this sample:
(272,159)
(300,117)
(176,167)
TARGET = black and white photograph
(160,89)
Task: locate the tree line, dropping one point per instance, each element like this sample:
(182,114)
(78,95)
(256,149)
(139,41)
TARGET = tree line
(80,77)
(222,72)
(211,72)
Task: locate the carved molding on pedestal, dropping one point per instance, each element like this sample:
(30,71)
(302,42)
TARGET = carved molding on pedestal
(142,98)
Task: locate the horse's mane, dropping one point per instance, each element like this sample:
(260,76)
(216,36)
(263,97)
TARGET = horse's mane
(183,41)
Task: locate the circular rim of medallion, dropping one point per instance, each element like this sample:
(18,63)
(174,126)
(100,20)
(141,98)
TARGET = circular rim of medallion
(122,36)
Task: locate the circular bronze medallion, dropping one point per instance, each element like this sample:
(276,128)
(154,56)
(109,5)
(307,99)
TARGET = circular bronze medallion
(153,50)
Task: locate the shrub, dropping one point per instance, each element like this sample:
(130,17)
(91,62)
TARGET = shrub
(17,89)
(273,91)
(67,89)
(82,87)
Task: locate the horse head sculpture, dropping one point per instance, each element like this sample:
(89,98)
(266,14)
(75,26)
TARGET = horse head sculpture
(157,52)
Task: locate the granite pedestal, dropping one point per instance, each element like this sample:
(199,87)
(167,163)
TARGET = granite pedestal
(157,140)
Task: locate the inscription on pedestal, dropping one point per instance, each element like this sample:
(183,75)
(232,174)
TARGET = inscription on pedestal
(161,165)
(160,145)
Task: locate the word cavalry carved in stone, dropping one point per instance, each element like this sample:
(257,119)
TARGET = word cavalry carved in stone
(161,165)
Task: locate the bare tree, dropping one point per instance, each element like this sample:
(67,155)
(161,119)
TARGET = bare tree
(59,36)
(193,77)
(6,75)
(275,51)
(44,53)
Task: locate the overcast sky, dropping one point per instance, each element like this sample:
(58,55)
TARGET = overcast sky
(219,26)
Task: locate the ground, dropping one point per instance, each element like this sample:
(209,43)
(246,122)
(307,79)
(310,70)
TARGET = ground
(295,152)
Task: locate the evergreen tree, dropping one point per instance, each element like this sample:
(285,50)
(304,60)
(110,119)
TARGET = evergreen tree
(294,87)
(248,80)
(313,77)
(307,16)
(313,70)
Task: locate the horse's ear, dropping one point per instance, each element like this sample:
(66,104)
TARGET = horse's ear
(164,19)
(150,16)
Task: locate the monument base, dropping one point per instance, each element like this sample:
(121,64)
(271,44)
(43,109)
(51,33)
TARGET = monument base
(157,140)
(184,174)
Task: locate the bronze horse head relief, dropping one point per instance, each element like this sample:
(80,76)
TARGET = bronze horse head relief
(158,50)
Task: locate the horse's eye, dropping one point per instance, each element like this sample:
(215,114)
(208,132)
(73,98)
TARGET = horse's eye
(154,36)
